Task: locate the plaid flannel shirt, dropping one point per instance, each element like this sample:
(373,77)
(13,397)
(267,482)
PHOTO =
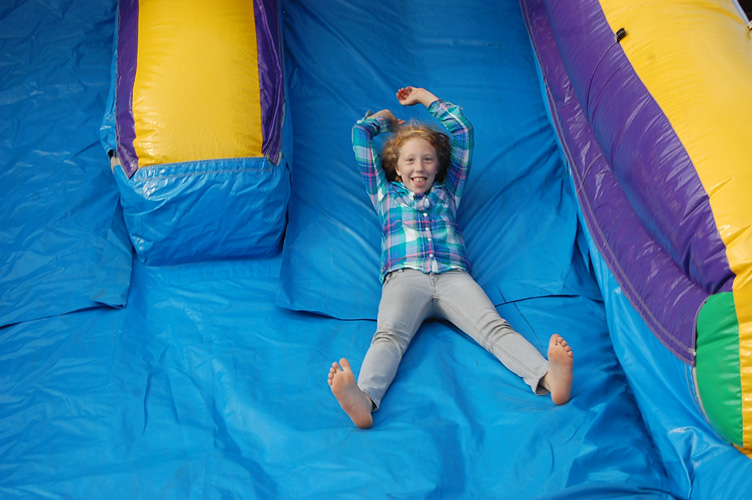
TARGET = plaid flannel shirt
(419,231)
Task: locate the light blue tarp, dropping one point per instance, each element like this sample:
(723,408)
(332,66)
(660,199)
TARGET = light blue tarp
(60,248)
(207,385)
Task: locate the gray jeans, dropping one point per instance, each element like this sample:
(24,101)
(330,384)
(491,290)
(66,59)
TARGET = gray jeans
(409,297)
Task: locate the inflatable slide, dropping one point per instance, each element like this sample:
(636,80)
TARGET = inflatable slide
(187,246)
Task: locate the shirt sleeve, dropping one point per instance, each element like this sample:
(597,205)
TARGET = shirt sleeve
(461,131)
(367,157)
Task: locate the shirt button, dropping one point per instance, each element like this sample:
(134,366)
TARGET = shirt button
(425,214)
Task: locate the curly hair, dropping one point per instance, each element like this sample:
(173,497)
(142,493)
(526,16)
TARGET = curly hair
(392,147)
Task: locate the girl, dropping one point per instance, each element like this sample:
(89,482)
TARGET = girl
(416,186)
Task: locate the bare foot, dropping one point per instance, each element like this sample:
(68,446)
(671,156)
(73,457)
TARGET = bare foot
(558,380)
(355,402)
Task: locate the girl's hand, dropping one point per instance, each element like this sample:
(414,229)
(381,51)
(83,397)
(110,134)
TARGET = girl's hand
(394,122)
(409,96)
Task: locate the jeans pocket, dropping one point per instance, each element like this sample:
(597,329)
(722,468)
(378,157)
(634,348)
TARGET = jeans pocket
(389,276)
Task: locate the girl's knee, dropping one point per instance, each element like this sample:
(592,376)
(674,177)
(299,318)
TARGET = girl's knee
(392,338)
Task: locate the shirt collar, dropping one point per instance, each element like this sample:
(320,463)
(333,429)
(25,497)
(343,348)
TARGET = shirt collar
(402,189)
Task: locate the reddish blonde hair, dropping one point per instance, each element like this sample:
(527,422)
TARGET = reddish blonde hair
(392,147)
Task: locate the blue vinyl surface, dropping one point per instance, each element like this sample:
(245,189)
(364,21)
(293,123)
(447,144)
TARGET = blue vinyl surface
(209,381)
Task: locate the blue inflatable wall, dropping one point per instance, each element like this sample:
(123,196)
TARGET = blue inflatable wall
(121,379)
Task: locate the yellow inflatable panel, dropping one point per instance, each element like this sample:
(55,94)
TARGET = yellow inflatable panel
(697,65)
(196,89)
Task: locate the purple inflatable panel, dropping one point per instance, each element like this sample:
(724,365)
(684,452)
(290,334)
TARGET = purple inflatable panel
(639,143)
(655,283)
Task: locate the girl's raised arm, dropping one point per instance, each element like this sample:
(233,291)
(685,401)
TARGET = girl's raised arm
(410,96)
(461,130)
(366,155)
(394,122)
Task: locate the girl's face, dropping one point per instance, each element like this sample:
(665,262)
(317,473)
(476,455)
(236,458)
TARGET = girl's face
(417,165)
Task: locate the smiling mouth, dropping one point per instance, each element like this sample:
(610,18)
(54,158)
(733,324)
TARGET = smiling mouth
(419,181)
